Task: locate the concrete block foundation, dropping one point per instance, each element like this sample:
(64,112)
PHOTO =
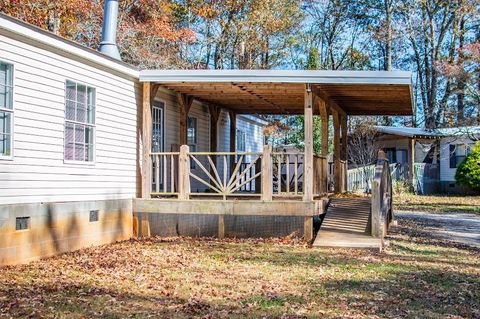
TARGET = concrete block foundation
(55,228)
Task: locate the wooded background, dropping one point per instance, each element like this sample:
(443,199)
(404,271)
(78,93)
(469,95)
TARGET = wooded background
(438,40)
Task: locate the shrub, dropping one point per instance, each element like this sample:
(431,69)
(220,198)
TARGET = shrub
(400,187)
(468,172)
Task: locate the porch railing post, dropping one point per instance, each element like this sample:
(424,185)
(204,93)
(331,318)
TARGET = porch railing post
(267,174)
(308,135)
(183,173)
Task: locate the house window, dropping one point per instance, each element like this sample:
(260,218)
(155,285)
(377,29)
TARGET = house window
(240,142)
(458,153)
(6,109)
(391,154)
(79,122)
(192,137)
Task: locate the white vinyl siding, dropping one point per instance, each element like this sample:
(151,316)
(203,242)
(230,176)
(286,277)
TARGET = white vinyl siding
(6,110)
(447,173)
(38,172)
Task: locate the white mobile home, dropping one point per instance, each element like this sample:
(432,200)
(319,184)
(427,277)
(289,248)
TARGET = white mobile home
(93,150)
(69,142)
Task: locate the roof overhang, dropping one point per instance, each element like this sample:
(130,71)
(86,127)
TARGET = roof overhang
(282,91)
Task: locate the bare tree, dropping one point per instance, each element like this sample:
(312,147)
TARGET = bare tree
(362,149)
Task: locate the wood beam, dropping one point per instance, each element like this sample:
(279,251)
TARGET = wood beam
(308,159)
(324,114)
(214,116)
(411,160)
(267,174)
(143,225)
(153,91)
(331,103)
(184,102)
(146,141)
(336,151)
(344,151)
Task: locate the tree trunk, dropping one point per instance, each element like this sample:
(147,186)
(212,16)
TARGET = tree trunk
(461,81)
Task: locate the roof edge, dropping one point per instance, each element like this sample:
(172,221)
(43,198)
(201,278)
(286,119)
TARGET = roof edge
(278,76)
(34,33)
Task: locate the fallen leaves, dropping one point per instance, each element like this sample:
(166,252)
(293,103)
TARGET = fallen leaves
(253,278)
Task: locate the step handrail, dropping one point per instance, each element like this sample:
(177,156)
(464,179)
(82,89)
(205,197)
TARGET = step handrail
(381,209)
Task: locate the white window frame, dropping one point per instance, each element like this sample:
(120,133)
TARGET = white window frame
(94,125)
(11,111)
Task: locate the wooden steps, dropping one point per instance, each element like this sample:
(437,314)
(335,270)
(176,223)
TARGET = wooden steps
(347,224)
(348,215)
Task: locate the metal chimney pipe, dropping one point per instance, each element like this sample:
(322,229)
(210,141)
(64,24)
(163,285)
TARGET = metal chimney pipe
(108,45)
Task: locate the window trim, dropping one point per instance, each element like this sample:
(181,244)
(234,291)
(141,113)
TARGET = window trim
(11,111)
(94,125)
(467,149)
(164,108)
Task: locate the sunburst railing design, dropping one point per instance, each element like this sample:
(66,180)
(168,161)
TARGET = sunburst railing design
(219,178)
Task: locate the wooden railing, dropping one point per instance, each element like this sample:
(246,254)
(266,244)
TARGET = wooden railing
(164,173)
(266,175)
(214,173)
(287,173)
(320,175)
(381,208)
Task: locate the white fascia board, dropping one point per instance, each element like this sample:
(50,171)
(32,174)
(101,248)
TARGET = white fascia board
(70,48)
(278,76)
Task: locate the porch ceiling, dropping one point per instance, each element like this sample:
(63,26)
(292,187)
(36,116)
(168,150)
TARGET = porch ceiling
(282,92)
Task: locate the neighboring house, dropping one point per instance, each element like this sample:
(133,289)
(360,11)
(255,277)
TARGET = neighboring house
(436,153)
(69,142)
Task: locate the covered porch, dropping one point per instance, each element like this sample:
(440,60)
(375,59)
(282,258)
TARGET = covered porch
(267,183)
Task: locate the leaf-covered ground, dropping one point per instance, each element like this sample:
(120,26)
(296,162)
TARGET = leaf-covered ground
(437,203)
(416,277)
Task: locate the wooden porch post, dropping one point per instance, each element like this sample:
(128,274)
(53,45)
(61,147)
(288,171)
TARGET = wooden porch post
(146,141)
(344,153)
(336,151)
(183,173)
(184,102)
(233,137)
(214,115)
(324,151)
(141,226)
(308,158)
(411,160)
(267,174)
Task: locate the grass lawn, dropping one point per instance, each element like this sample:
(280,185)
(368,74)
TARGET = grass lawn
(415,277)
(437,203)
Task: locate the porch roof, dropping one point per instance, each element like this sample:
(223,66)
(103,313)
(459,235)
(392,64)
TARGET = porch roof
(282,92)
